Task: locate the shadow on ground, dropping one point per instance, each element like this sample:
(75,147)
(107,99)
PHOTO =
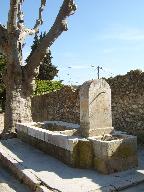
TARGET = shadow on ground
(9,184)
(59,176)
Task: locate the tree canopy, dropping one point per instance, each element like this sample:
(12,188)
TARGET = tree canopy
(47,71)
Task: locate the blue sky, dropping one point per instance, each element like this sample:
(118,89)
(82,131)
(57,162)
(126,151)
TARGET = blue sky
(108,33)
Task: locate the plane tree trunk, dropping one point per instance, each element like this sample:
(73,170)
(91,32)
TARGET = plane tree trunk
(18,89)
(17,109)
(19,78)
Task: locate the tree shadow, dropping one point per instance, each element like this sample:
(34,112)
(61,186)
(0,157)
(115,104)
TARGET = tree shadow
(54,173)
(8,182)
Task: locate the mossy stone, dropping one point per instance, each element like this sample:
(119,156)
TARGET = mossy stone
(124,151)
(83,154)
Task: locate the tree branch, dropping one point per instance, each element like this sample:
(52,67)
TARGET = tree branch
(23,31)
(12,16)
(39,21)
(68,8)
(3,40)
(20,15)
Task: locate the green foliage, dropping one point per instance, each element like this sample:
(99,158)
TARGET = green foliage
(47,71)
(46,86)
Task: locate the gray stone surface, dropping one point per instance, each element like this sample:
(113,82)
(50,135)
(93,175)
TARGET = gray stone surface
(137,188)
(95,108)
(62,178)
(9,184)
(127,104)
(92,152)
(57,138)
(115,155)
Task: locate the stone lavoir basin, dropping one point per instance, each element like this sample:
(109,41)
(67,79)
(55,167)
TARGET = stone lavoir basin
(107,153)
(92,144)
(65,128)
(114,153)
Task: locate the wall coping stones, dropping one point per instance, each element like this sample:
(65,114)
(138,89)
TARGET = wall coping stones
(106,155)
(66,125)
(55,138)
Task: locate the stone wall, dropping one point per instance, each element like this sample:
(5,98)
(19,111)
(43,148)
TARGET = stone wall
(127,104)
(60,105)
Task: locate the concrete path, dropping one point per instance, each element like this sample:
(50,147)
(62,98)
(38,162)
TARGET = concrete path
(59,177)
(9,184)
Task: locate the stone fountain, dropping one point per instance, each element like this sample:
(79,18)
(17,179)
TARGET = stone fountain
(92,144)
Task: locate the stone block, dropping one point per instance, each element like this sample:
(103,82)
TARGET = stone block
(112,165)
(115,155)
(85,153)
(22,127)
(40,134)
(31,131)
(63,154)
(48,136)
(107,156)
(72,142)
(95,108)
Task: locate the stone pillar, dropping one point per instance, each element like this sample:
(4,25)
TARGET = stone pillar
(95,108)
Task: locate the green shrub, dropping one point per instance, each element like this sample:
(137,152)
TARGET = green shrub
(46,86)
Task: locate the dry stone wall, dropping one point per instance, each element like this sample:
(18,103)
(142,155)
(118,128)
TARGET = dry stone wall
(63,105)
(127,104)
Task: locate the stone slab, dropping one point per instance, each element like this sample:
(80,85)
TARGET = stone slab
(8,183)
(104,156)
(63,124)
(80,155)
(62,154)
(52,137)
(95,108)
(59,177)
(115,155)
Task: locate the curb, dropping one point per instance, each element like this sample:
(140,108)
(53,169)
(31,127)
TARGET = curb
(29,177)
(25,176)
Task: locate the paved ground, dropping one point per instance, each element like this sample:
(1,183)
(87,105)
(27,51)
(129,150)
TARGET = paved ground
(9,184)
(58,176)
(137,188)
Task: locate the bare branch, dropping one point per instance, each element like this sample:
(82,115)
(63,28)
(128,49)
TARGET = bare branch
(3,39)
(68,8)
(12,16)
(23,31)
(39,21)
(20,15)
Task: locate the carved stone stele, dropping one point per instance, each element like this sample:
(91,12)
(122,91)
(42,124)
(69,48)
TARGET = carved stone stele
(95,108)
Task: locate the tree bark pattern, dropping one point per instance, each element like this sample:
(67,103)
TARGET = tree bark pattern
(19,79)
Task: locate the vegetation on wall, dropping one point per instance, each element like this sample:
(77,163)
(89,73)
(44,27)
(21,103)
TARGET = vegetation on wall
(46,86)
(47,72)
(44,83)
